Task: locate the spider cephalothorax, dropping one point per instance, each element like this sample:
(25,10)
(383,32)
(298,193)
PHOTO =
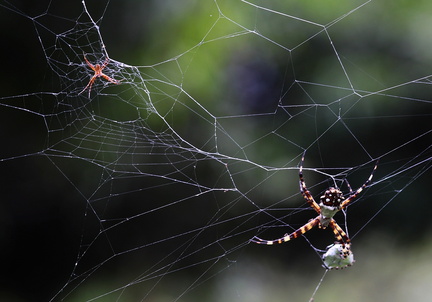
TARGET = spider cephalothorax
(332,197)
(337,255)
(330,204)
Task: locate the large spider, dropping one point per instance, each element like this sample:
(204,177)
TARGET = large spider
(338,255)
(97,68)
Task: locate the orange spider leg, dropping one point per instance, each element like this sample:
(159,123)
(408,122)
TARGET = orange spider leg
(114,81)
(90,64)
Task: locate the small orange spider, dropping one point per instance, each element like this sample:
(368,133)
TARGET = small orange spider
(98,73)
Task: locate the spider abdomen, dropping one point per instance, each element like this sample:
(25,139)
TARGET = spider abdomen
(338,256)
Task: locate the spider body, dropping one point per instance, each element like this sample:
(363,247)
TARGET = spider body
(338,255)
(97,68)
(330,204)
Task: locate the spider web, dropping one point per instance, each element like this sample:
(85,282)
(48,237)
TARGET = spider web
(150,190)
